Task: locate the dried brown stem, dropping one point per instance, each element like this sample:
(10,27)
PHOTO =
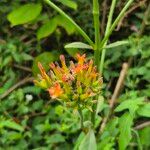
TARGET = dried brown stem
(143,125)
(129,12)
(104,14)
(117,90)
(23,68)
(119,84)
(146,15)
(20,83)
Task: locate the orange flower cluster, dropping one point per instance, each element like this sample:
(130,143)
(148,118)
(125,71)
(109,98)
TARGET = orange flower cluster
(75,85)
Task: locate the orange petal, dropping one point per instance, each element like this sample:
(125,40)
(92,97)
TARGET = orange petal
(55,91)
(80,58)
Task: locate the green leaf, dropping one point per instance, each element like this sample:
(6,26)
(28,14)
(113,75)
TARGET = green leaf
(55,138)
(111,127)
(106,143)
(32,89)
(47,29)
(144,111)
(26,57)
(118,43)
(45,58)
(79,140)
(132,105)
(11,124)
(69,3)
(79,45)
(67,25)
(24,14)
(145,136)
(13,135)
(59,110)
(89,142)
(100,104)
(73,52)
(125,123)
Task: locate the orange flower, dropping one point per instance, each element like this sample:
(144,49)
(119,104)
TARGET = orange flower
(42,70)
(78,83)
(55,91)
(44,74)
(62,59)
(80,58)
(78,69)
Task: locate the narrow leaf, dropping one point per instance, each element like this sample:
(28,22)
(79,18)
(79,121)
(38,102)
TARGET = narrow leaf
(118,43)
(78,45)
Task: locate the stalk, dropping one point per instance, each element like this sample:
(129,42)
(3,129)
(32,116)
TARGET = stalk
(78,28)
(81,116)
(115,23)
(109,22)
(96,15)
(97,31)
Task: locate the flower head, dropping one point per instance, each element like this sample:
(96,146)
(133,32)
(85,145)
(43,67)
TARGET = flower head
(75,84)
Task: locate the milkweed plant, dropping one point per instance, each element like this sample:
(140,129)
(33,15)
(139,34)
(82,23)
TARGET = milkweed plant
(79,84)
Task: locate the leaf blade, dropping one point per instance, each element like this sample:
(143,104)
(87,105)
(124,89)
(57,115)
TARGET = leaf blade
(125,123)
(47,29)
(144,111)
(89,142)
(69,3)
(24,14)
(78,45)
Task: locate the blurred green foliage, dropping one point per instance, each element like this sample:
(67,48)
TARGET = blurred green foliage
(29,120)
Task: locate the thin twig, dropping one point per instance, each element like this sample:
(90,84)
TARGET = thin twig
(146,15)
(129,12)
(20,83)
(34,115)
(143,125)
(119,84)
(22,68)
(117,90)
(104,16)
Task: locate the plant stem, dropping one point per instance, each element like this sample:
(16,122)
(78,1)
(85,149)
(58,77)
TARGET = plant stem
(78,28)
(97,31)
(115,23)
(81,116)
(140,147)
(96,14)
(110,16)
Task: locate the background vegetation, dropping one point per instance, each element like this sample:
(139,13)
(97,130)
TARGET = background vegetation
(28,118)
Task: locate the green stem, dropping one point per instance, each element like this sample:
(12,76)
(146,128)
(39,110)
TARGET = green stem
(140,147)
(81,116)
(97,31)
(115,23)
(96,14)
(78,28)
(110,16)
